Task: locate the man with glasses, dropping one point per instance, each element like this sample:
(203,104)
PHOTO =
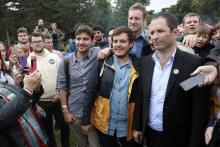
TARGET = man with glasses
(47,65)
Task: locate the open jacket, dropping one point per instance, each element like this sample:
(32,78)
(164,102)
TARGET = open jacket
(99,91)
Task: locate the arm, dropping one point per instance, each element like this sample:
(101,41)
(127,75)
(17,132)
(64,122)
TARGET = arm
(62,36)
(62,87)
(210,70)
(137,125)
(189,40)
(91,92)
(104,53)
(10,111)
(200,115)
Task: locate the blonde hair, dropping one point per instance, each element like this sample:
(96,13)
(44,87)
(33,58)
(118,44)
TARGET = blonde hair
(139,6)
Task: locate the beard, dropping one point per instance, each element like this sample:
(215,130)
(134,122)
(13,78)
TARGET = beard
(23,42)
(39,50)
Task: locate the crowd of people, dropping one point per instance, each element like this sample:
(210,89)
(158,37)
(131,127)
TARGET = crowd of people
(118,91)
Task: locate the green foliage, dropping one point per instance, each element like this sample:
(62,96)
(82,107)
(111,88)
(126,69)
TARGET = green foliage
(101,13)
(209,10)
(67,13)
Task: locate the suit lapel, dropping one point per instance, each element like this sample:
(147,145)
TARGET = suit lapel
(148,68)
(149,74)
(176,70)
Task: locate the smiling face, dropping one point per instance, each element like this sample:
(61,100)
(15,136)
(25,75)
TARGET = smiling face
(121,45)
(48,44)
(37,44)
(83,42)
(161,36)
(136,20)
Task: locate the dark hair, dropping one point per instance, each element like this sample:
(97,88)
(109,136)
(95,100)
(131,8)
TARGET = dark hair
(124,29)
(35,34)
(202,29)
(139,6)
(216,27)
(191,15)
(98,28)
(47,36)
(85,29)
(53,23)
(171,20)
(40,19)
(22,30)
(3,65)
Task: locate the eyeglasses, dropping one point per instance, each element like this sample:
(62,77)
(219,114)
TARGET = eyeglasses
(40,41)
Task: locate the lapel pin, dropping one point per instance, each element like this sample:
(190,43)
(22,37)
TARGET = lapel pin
(176,71)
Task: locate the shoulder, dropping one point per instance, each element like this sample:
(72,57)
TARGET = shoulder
(147,58)
(95,50)
(190,59)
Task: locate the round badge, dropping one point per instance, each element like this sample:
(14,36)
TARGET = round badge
(51,61)
(176,71)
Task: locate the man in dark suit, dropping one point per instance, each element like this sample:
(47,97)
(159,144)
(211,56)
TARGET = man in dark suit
(166,115)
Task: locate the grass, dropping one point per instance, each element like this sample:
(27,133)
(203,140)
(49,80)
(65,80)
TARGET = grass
(57,137)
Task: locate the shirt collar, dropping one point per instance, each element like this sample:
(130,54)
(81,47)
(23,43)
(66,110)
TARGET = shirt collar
(142,34)
(171,58)
(116,62)
(88,56)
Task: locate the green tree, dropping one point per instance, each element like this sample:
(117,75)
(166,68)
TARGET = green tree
(102,13)
(208,9)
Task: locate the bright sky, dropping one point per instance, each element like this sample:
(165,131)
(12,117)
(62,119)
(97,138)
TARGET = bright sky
(157,5)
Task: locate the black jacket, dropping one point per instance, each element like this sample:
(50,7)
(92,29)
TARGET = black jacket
(185,113)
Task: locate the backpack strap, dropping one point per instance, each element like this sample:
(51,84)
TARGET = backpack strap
(66,69)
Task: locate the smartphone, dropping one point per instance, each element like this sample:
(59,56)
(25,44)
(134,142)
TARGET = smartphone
(22,63)
(192,82)
(33,64)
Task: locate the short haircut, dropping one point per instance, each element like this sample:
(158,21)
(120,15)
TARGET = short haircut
(217,26)
(139,6)
(40,19)
(47,36)
(191,15)
(98,28)
(22,30)
(53,23)
(172,21)
(85,29)
(124,29)
(35,34)
(202,30)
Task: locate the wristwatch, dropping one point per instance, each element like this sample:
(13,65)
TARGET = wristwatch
(64,106)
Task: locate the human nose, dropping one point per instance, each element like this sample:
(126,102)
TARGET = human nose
(154,36)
